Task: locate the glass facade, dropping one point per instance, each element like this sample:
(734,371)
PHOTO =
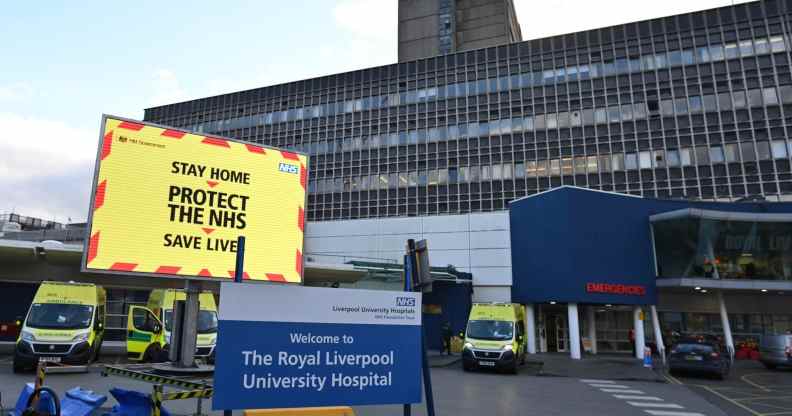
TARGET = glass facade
(700,247)
(688,106)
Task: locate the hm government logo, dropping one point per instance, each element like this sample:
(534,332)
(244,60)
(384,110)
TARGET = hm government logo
(285,167)
(405,301)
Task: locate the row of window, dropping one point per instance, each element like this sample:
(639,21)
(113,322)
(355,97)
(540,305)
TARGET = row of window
(704,54)
(674,158)
(565,119)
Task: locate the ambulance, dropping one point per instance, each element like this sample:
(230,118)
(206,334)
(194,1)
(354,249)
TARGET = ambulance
(149,328)
(65,324)
(495,337)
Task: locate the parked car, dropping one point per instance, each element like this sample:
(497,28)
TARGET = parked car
(696,355)
(776,351)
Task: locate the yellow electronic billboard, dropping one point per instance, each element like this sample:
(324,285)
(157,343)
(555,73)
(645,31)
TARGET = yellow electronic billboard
(172,203)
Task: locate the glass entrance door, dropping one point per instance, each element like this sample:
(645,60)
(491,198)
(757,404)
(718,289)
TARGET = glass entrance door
(562,333)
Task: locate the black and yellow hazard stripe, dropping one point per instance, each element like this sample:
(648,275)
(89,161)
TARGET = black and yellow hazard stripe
(192,394)
(151,378)
(156,400)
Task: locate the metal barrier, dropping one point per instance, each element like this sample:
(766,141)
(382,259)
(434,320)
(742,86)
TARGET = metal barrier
(197,390)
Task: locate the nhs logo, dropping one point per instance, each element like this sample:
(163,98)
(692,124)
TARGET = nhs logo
(405,301)
(285,167)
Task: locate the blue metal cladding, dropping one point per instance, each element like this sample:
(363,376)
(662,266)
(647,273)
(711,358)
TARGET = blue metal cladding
(564,239)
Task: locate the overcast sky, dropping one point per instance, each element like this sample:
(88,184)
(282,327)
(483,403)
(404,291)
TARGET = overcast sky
(66,63)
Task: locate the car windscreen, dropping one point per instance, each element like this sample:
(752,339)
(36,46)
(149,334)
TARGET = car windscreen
(59,316)
(490,330)
(693,348)
(207,321)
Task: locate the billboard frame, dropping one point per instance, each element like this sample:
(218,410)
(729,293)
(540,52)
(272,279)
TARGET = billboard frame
(95,182)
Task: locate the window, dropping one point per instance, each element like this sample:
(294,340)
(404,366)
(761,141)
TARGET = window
(580,165)
(763,150)
(540,122)
(747,150)
(591,164)
(563,119)
(703,54)
(497,172)
(519,170)
(755,98)
(605,163)
(770,97)
(746,48)
(680,105)
(530,169)
(645,160)
(684,156)
(695,104)
(716,154)
(639,110)
(762,46)
(485,173)
(716,53)
(786,94)
(528,123)
(555,167)
(672,158)
(574,119)
(588,114)
(667,108)
(658,159)
(731,50)
(631,161)
(541,168)
(413,178)
(613,114)
(725,101)
(552,121)
(600,116)
(777,44)
(779,149)
(739,99)
(702,155)
(433,177)
(618,161)
(508,171)
(566,166)
(626,112)
(709,103)
(731,153)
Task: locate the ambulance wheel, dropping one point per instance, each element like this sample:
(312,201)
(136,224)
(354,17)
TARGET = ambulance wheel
(18,368)
(466,368)
(512,369)
(151,355)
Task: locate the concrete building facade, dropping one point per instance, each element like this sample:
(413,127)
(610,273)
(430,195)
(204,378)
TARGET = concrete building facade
(439,27)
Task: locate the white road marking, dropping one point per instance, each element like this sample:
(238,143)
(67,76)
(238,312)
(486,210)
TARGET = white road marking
(622,391)
(628,397)
(672,413)
(591,380)
(610,386)
(650,404)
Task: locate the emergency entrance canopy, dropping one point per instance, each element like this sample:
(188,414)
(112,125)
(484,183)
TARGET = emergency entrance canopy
(171,203)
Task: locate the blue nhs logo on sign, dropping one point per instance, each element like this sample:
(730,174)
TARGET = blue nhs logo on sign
(285,167)
(405,301)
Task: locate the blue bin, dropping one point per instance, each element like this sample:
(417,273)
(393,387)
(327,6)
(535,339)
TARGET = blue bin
(132,403)
(46,402)
(81,402)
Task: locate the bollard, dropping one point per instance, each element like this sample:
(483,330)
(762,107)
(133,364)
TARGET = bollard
(647,361)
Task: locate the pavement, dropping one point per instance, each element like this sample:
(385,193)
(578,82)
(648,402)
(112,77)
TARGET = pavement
(601,366)
(458,393)
(750,389)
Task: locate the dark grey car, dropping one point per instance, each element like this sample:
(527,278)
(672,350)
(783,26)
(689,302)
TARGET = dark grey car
(697,356)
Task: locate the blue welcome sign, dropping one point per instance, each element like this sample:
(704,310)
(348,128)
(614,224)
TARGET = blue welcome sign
(296,346)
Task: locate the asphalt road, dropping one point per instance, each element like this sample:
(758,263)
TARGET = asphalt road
(749,390)
(458,393)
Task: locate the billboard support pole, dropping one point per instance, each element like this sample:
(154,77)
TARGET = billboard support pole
(189,325)
(239,273)
(410,271)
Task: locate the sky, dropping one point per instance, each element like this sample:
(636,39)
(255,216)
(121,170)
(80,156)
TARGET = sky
(63,64)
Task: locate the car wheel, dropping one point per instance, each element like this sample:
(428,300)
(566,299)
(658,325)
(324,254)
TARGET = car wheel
(769,366)
(466,368)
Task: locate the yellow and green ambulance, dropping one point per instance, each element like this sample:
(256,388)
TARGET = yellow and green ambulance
(65,324)
(149,328)
(495,337)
